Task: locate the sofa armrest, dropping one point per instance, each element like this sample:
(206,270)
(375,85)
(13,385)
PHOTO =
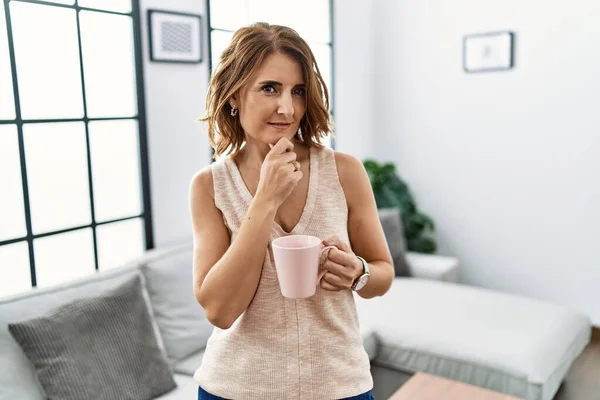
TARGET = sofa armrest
(429,266)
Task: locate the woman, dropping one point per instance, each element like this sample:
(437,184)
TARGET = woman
(267,110)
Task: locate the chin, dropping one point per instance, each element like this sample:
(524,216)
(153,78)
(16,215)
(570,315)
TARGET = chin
(273,138)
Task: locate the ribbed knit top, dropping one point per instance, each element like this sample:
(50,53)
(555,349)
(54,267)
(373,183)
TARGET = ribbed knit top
(282,348)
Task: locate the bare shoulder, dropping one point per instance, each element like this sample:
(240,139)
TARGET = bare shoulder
(349,167)
(354,180)
(207,220)
(202,182)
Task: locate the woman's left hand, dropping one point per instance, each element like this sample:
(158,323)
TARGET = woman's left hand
(342,266)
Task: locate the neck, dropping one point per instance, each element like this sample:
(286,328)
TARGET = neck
(254,153)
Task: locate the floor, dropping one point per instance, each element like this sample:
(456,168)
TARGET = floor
(583,380)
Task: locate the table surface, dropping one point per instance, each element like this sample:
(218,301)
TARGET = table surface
(422,386)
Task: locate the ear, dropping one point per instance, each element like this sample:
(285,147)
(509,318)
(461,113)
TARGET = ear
(233,102)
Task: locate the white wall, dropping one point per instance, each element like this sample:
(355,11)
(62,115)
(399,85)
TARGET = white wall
(507,163)
(178,146)
(353,75)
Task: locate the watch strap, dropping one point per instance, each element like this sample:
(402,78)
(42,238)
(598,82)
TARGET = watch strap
(366,271)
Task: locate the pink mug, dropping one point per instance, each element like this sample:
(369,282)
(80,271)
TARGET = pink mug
(297,261)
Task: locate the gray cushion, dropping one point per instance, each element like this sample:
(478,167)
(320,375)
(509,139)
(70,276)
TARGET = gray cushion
(97,347)
(17,374)
(370,343)
(181,320)
(190,364)
(394,234)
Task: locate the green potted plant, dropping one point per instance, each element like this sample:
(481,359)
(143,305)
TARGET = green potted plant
(391,191)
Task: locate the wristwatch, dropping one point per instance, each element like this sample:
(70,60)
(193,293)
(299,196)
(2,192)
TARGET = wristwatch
(362,280)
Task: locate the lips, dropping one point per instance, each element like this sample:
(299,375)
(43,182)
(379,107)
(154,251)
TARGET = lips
(280,125)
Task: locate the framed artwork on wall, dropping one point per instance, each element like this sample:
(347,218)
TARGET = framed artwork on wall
(486,52)
(174,37)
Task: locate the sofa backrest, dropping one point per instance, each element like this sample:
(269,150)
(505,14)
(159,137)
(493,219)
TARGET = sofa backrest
(181,320)
(167,276)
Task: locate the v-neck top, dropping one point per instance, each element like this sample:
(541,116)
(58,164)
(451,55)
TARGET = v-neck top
(313,182)
(282,348)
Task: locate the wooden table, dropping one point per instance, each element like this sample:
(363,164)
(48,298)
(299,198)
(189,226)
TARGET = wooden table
(422,386)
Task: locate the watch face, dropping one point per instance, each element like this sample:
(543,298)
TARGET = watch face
(362,282)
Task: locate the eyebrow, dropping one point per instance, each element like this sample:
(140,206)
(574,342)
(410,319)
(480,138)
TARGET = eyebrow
(275,83)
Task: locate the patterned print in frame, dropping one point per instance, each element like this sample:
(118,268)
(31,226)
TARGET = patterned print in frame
(174,37)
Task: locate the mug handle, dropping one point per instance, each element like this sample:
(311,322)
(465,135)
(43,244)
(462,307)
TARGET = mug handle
(322,273)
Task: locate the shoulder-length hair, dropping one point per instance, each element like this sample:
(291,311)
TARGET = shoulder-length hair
(249,48)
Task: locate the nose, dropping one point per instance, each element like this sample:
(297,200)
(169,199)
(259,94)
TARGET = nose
(285,106)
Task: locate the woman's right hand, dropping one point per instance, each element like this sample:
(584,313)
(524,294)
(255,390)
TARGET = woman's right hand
(278,177)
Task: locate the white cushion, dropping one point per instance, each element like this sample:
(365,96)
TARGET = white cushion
(433,266)
(181,320)
(509,343)
(186,389)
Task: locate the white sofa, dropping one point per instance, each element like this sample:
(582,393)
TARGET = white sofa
(507,343)
(181,326)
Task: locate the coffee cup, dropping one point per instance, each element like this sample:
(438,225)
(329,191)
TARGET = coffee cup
(297,261)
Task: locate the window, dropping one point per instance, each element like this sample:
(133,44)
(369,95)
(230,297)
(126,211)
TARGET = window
(312,19)
(73,159)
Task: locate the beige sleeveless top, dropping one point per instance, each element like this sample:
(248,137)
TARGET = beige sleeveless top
(282,348)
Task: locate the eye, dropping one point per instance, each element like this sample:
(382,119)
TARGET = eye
(299,91)
(268,89)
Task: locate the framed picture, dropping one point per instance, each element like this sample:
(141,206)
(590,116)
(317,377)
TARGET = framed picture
(174,37)
(486,52)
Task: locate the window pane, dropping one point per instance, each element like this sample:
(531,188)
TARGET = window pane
(14,269)
(119,243)
(64,257)
(323,56)
(109,67)
(12,214)
(229,15)
(7,99)
(219,41)
(326,141)
(123,6)
(49,77)
(57,174)
(115,169)
(310,18)
(69,2)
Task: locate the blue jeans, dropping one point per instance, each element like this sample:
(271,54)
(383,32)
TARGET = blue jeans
(204,395)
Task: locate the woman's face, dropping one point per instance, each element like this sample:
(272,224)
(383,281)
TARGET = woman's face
(273,102)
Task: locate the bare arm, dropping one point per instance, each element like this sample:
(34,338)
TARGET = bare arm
(367,238)
(226,274)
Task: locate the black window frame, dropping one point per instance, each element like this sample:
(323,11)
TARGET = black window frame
(146,213)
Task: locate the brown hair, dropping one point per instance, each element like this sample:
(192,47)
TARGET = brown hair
(248,49)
